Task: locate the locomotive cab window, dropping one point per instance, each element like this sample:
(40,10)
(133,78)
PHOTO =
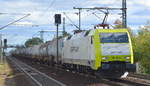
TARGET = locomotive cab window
(120,37)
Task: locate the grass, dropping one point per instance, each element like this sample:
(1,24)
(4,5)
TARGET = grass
(5,73)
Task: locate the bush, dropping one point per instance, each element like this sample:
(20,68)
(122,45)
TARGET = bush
(141,46)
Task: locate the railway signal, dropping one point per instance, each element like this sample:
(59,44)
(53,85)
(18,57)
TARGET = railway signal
(57,19)
(57,23)
(5,43)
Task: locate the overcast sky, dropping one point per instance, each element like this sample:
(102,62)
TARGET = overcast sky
(42,14)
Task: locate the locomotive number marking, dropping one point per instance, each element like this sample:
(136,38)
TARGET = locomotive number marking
(74,49)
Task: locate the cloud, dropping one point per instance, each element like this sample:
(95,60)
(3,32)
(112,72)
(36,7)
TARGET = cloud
(24,23)
(42,14)
(144,3)
(15,39)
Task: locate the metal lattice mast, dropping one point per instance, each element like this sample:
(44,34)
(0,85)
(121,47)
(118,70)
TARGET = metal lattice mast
(124,13)
(64,26)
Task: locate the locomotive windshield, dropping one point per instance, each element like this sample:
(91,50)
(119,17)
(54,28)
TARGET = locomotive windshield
(115,37)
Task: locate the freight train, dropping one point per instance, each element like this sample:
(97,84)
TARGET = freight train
(106,52)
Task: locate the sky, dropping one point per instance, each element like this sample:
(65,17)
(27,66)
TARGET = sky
(43,11)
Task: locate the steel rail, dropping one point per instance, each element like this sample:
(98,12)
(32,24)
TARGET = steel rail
(38,83)
(23,68)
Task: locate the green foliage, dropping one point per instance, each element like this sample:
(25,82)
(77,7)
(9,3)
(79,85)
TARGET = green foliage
(118,26)
(33,41)
(141,46)
(20,46)
(66,34)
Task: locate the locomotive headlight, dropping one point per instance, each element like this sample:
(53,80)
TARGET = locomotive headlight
(127,57)
(104,58)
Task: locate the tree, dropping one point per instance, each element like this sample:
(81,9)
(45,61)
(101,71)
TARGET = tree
(33,41)
(141,46)
(20,46)
(118,24)
(66,34)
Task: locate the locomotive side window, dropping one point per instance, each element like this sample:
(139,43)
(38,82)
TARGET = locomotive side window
(87,32)
(69,37)
(91,39)
(120,37)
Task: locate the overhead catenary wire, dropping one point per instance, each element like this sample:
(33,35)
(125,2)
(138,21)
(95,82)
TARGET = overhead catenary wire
(15,21)
(71,21)
(75,2)
(4,13)
(49,6)
(96,15)
(83,3)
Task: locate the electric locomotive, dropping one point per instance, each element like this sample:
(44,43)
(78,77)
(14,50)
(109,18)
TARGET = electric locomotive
(105,51)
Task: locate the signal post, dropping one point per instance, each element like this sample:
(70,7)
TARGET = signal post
(57,23)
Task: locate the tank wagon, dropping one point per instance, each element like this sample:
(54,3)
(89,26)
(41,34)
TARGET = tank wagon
(107,52)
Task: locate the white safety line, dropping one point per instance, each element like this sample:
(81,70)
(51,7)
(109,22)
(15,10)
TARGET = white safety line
(45,75)
(38,83)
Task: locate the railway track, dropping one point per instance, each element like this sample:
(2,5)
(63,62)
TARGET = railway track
(132,80)
(129,81)
(123,82)
(39,78)
(141,76)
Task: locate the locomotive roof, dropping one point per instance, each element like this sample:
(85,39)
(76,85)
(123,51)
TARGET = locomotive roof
(80,35)
(92,32)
